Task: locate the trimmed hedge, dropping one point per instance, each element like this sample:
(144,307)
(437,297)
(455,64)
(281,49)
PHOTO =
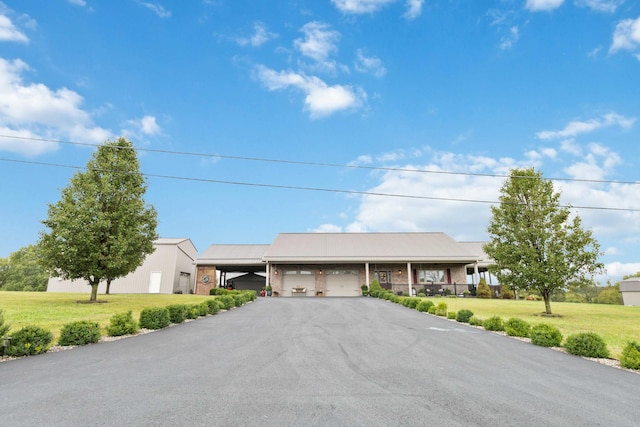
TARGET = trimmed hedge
(154,318)
(226,301)
(517,327)
(630,358)
(193,311)
(81,332)
(424,306)
(476,321)
(122,324)
(177,313)
(494,323)
(441,309)
(212,306)
(587,344)
(545,335)
(452,315)
(29,340)
(464,315)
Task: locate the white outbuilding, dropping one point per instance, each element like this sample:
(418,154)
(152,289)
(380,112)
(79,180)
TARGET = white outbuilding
(630,289)
(169,269)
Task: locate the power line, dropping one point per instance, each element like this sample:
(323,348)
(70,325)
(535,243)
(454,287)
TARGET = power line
(317,189)
(321,164)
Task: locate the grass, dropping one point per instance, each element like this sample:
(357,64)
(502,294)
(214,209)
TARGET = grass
(616,324)
(53,310)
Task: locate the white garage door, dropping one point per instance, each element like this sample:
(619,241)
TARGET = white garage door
(342,283)
(299,283)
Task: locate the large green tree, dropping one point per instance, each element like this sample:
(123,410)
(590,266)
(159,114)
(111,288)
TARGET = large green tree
(101,228)
(21,271)
(536,243)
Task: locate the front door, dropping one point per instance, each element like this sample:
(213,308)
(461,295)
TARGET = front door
(384,278)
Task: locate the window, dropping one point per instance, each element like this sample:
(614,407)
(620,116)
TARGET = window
(431,276)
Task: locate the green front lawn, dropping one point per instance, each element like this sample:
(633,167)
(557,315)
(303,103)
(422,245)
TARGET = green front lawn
(616,324)
(53,310)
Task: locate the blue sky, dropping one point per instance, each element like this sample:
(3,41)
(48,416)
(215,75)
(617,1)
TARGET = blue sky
(212,91)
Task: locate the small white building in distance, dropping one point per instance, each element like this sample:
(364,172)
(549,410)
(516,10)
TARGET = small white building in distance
(630,289)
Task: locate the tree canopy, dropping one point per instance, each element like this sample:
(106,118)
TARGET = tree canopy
(101,228)
(21,271)
(537,244)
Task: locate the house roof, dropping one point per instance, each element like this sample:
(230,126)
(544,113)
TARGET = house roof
(476,247)
(233,255)
(367,247)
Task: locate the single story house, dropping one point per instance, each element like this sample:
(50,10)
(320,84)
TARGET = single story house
(630,289)
(169,269)
(338,264)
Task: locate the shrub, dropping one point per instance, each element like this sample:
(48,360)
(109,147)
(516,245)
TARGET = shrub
(494,323)
(193,311)
(226,301)
(424,305)
(464,315)
(630,358)
(154,318)
(238,300)
(177,313)
(122,324)
(213,305)
(476,321)
(432,310)
(81,332)
(441,309)
(452,315)
(587,344)
(610,295)
(413,302)
(29,340)
(483,290)
(545,335)
(4,328)
(203,309)
(517,327)
(506,292)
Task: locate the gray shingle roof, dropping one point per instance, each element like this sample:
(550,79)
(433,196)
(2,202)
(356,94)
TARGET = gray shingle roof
(367,247)
(233,254)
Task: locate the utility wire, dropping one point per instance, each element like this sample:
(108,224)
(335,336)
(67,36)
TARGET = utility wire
(317,189)
(319,164)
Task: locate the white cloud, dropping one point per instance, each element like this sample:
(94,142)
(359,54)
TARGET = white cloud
(261,35)
(369,64)
(619,270)
(320,99)
(357,7)
(609,6)
(414,9)
(360,6)
(157,9)
(9,32)
(319,42)
(543,5)
(148,125)
(626,36)
(327,228)
(32,109)
(574,128)
(78,2)
(510,39)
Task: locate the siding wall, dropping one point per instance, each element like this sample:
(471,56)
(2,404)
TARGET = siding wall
(168,259)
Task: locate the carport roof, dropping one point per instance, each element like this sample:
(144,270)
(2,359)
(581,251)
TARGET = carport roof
(367,247)
(234,256)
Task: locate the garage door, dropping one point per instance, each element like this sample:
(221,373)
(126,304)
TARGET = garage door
(299,283)
(342,283)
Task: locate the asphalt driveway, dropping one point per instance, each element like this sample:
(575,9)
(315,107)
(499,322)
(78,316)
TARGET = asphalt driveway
(316,361)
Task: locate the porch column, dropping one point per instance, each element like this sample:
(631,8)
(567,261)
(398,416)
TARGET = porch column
(366,275)
(266,280)
(476,273)
(410,277)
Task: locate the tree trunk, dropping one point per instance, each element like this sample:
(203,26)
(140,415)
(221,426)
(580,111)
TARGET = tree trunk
(108,286)
(547,302)
(94,291)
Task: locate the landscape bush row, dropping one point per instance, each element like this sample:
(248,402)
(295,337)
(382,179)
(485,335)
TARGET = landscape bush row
(586,344)
(31,339)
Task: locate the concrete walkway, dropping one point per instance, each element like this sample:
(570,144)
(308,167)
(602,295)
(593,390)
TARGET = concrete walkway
(316,361)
